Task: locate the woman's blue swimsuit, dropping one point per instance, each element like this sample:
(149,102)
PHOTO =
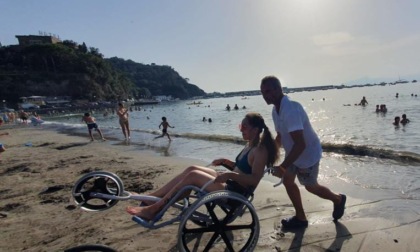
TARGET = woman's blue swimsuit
(242,163)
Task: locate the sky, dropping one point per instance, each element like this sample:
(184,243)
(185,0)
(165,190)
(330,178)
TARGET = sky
(230,45)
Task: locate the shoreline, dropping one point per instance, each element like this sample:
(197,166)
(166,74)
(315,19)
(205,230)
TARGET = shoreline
(57,160)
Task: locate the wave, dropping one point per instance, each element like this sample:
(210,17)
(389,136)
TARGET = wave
(346,149)
(363,150)
(197,136)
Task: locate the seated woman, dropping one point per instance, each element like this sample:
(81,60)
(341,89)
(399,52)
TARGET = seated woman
(247,170)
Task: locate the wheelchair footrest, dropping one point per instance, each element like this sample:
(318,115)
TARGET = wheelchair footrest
(141,221)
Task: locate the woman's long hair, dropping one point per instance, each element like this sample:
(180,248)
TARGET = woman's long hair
(266,140)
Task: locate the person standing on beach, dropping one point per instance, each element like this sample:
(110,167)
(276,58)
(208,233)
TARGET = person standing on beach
(164,124)
(123,119)
(303,153)
(91,124)
(23,116)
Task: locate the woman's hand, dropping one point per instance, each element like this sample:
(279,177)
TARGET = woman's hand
(222,177)
(218,162)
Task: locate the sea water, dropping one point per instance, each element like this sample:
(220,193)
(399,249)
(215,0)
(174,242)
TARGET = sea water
(363,151)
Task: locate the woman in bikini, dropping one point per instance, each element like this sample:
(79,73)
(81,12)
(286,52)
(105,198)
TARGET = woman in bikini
(123,119)
(247,170)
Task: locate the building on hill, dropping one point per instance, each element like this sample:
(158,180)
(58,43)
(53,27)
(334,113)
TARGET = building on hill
(26,40)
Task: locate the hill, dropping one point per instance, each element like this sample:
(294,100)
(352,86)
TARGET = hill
(156,80)
(70,69)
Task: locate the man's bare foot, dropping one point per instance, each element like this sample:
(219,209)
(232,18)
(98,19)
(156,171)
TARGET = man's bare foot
(142,212)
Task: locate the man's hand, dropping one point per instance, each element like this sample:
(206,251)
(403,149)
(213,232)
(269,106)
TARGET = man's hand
(278,171)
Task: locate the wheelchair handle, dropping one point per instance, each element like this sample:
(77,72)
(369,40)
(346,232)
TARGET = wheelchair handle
(270,170)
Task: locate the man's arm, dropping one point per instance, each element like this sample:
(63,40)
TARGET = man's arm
(299,146)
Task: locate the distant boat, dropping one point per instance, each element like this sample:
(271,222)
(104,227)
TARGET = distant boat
(195,103)
(145,102)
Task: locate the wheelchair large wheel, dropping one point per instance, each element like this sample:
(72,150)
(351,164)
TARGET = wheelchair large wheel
(92,248)
(212,224)
(106,183)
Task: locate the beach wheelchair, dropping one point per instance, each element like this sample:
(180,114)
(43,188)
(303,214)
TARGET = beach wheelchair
(208,221)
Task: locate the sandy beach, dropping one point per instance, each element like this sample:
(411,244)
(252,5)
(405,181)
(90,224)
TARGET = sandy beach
(40,167)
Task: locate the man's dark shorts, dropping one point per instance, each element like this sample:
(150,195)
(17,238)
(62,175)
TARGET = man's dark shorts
(92,126)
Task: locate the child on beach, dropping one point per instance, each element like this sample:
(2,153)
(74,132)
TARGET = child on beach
(91,123)
(165,126)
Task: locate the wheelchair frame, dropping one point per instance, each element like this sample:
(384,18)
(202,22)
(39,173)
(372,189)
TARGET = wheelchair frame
(210,222)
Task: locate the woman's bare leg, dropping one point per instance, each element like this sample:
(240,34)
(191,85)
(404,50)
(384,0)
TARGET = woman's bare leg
(166,188)
(196,177)
(123,129)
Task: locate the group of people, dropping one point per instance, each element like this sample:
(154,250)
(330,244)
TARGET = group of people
(381,108)
(11,117)
(235,107)
(303,154)
(8,117)
(207,120)
(122,113)
(401,120)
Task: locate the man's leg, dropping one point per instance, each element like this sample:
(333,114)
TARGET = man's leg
(294,194)
(100,133)
(324,192)
(309,178)
(91,135)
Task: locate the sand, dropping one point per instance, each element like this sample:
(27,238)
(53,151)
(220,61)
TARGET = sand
(37,213)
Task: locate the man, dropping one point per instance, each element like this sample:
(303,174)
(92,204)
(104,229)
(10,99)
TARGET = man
(303,153)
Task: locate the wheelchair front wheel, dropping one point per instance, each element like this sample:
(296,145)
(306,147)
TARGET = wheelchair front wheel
(103,182)
(213,223)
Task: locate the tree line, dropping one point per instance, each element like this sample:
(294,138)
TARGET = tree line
(71,69)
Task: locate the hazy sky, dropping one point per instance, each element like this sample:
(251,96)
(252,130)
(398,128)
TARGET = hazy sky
(229,45)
